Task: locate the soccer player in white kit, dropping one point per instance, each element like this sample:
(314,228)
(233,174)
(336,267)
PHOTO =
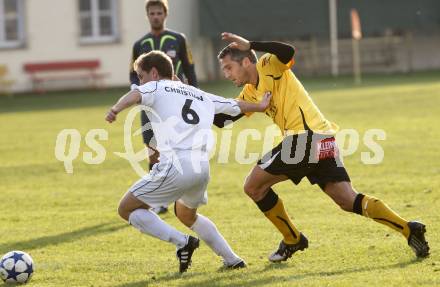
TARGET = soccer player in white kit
(181,118)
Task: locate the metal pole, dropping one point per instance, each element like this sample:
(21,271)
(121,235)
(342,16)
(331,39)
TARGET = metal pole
(356,61)
(334,37)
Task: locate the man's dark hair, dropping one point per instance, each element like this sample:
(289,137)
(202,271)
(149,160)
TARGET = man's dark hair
(160,3)
(237,55)
(158,60)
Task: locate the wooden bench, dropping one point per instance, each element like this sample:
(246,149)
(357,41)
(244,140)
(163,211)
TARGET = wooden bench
(86,70)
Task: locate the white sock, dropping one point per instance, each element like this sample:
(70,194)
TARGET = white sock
(209,233)
(150,223)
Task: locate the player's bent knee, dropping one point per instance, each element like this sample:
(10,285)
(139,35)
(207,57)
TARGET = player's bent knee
(187,219)
(123,213)
(186,215)
(252,191)
(249,189)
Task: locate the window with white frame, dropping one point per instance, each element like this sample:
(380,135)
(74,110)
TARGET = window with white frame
(11,23)
(97,21)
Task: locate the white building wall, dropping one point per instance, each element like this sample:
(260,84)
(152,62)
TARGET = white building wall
(52,34)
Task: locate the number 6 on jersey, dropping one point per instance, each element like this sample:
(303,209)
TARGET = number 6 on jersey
(189,116)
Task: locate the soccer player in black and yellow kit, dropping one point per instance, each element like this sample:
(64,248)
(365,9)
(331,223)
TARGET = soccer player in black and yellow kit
(174,45)
(307,150)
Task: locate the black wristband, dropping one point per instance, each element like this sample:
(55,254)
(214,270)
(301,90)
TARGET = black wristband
(283,51)
(256,46)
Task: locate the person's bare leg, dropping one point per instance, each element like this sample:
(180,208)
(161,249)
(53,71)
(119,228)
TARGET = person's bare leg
(128,204)
(259,182)
(345,196)
(258,187)
(342,193)
(349,200)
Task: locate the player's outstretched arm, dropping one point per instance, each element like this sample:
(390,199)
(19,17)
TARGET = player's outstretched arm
(237,42)
(247,107)
(129,99)
(228,110)
(283,51)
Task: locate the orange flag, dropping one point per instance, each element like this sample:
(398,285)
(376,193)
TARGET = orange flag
(356,31)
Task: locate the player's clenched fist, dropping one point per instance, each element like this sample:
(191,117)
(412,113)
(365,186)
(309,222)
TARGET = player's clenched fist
(111,115)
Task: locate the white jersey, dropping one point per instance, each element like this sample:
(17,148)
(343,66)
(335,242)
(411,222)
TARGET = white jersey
(181,115)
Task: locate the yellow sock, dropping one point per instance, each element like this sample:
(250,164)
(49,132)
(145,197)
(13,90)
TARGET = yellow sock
(378,211)
(279,217)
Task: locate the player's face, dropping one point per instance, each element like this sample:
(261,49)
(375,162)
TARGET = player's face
(156,15)
(234,71)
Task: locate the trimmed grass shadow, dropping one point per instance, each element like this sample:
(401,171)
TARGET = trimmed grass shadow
(61,238)
(165,278)
(239,278)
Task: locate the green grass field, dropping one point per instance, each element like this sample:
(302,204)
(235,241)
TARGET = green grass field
(69,225)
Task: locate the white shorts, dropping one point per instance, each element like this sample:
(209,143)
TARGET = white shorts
(170,181)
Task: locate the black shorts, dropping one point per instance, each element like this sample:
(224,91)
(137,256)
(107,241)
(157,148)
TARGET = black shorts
(307,155)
